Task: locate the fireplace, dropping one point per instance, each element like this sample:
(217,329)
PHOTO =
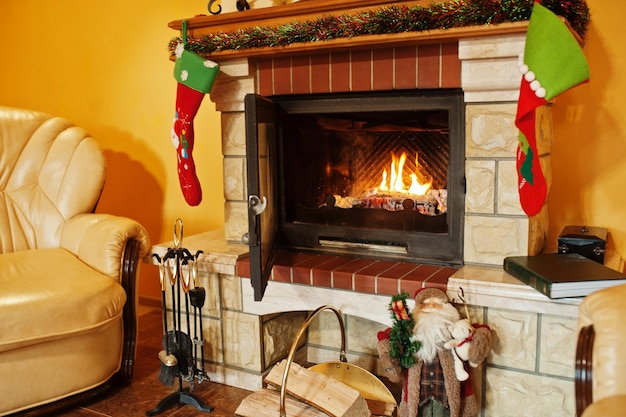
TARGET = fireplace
(376,174)
(482,63)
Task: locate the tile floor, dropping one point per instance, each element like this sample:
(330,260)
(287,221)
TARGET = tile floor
(145,391)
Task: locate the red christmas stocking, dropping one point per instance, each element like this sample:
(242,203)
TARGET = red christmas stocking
(195,76)
(531,181)
(188,102)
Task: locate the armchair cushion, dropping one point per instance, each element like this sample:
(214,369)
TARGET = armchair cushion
(51,295)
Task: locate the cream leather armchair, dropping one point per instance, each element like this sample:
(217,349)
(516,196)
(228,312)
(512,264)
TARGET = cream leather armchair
(67,275)
(600,376)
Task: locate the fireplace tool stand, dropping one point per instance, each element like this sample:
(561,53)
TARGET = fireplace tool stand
(179,358)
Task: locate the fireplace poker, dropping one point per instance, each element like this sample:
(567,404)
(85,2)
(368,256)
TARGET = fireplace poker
(197,296)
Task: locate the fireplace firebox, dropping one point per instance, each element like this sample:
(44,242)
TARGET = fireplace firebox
(367,174)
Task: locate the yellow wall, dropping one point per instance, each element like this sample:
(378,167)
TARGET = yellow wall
(104,65)
(589,149)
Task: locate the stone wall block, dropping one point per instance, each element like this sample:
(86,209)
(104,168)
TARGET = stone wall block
(558,345)
(515,394)
(516,339)
(242,340)
(480,182)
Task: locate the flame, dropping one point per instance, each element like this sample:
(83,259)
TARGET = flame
(396,182)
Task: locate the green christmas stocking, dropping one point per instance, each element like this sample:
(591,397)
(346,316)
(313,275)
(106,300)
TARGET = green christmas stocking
(553,62)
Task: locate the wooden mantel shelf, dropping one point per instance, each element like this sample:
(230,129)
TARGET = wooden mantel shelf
(312,9)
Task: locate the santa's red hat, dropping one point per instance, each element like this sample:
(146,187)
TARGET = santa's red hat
(429,292)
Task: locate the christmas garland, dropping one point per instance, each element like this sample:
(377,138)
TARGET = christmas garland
(403,345)
(388,20)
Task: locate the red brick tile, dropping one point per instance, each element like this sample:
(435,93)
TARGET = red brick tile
(365,284)
(281,273)
(413,281)
(342,276)
(300,75)
(320,73)
(301,275)
(282,75)
(266,77)
(340,72)
(383,75)
(365,279)
(361,70)
(388,282)
(441,277)
(406,68)
(450,65)
(428,57)
(302,271)
(322,274)
(243,267)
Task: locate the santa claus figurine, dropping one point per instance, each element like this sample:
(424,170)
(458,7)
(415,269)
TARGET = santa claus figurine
(430,386)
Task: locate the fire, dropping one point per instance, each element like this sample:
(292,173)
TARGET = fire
(396,181)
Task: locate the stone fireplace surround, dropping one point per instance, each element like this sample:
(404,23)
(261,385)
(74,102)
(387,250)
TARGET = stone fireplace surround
(531,369)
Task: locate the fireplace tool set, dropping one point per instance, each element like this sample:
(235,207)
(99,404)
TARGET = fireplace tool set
(178,270)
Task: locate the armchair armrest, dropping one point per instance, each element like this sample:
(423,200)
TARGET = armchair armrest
(600,366)
(99,240)
(112,245)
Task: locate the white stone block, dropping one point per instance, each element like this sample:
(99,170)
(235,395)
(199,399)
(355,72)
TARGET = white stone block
(500,74)
(508,194)
(242,340)
(235,179)
(480,186)
(514,394)
(488,240)
(558,345)
(236,220)
(491,131)
(234,134)
(516,333)
(492,46)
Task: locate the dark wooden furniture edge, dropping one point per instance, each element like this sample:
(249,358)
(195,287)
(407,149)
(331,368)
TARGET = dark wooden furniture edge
(583,369)
(130,264)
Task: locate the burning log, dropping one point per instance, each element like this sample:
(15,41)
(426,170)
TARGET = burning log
(435,202)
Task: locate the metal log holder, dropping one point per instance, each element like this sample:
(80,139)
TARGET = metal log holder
(179,357)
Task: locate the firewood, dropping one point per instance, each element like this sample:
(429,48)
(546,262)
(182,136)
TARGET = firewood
(322,392)
(380,408)
(266,403)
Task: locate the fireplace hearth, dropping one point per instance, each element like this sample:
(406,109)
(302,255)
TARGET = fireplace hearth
(376,174)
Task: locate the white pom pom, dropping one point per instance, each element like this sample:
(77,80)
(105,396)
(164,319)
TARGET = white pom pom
(535,85)
(523,68)
(541,92)
(179,50)
(184,74)
(209,64)
(530,76)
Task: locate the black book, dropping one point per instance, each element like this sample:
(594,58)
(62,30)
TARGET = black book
(562,275)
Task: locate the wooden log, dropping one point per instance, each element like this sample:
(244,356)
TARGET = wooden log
(322,392)
(266,403)
(380,408)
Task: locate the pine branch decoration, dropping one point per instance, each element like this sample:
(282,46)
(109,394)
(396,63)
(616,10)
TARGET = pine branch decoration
(388,20)
(403,345)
